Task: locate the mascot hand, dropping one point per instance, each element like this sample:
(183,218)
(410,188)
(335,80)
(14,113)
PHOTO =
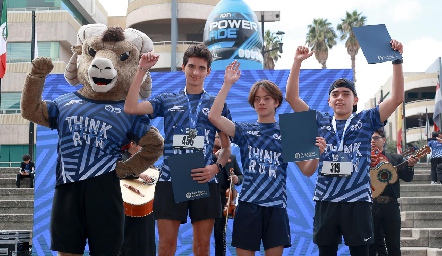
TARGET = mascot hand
(123,170)
(152,145)
(77,48)
(41,66)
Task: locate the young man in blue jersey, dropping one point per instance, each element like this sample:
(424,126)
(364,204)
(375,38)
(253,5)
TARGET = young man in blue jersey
(435,144)
(343,193)
(185,114)
(27,169)
(261,214)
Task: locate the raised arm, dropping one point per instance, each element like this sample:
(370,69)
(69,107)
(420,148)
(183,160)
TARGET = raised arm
(131,105)
(226,126)
(226,150)
(292,87)
(388,106)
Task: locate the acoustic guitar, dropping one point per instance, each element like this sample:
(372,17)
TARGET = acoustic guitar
(385,173)
(138,194)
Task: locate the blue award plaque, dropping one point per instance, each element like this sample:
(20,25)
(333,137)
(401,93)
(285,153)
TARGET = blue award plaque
(298,136)
(375,43)
(183,185)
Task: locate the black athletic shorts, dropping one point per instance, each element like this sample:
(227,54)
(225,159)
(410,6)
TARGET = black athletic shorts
(254,223)
(91,209)
(164,206)
(333,220)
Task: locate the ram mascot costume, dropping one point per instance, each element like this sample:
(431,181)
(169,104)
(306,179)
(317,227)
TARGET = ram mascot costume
(92,127)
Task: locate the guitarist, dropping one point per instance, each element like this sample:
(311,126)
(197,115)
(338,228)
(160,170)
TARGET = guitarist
(385,209)
(223,176)
(139,232)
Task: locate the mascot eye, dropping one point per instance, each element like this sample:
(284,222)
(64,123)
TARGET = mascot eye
(124,56)
(92,52)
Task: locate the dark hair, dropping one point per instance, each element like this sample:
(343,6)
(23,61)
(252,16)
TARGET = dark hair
(434,134)
(26,157)
(270,87)
(200,51)
(381,132)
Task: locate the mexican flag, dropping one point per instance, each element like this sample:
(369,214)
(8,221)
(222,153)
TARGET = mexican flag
(3,37)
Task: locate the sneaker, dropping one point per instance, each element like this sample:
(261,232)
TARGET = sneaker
(434,182)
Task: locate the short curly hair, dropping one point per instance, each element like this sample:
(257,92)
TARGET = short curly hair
(26,157)
(270,87)
(199,51)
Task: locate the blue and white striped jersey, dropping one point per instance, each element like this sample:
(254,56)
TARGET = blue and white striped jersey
(357,149)
(91,134)
(436,148)
(265,172)
(175,109)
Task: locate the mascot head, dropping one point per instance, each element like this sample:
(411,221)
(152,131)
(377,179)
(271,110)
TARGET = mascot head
(107,61)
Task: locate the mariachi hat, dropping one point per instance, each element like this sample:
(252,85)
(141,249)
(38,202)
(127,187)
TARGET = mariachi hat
(344,82)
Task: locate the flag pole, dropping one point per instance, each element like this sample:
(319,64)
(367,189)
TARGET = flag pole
(31,124)
(1,12)
(404,127)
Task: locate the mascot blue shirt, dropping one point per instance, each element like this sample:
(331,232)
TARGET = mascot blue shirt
(91,134)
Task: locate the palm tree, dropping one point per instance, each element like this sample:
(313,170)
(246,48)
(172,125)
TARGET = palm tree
(271,43)
(320,37)
(351,20)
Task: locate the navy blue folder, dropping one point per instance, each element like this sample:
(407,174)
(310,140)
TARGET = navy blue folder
(375,43)
(298,136)
(183,185)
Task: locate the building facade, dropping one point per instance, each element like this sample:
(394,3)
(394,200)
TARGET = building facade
(420,92)
(56,26)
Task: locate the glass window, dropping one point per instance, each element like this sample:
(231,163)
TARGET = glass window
(21,52)
(428,95)
(10,101)
(412,95)
(33,3)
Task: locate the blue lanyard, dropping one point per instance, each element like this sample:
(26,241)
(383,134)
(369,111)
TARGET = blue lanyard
(347,123)
(193,117)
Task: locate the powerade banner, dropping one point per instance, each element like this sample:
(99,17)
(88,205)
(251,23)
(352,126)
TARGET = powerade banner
(232,32)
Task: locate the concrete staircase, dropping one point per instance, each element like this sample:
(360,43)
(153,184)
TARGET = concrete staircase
(421,210)
(421,215)
(16,204)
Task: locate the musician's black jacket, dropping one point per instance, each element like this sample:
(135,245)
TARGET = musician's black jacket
(405,174)
(223,174)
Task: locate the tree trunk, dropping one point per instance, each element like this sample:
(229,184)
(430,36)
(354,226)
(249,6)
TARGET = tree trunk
(353,66)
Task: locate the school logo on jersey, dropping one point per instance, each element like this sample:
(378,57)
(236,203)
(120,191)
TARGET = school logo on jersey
(206,111)
(112,109)
(254,133)
(176,108)
(326,127)
(72,102)
(356,126)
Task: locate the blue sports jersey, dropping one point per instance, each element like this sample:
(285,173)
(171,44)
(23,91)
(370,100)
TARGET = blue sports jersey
(356,149)
(91,134)
(436,148)
(177,113)
(264,171)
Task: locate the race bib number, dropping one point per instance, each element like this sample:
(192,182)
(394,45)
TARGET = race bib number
(337,168)
(186,141)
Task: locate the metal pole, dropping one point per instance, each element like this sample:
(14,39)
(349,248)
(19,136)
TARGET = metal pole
(31,124)
(173,36)
(403,125)
(382,95)
(262,31)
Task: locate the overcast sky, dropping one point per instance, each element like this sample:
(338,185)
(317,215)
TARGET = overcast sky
(416,23)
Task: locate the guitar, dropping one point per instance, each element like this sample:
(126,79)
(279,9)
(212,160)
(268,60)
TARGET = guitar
(138,194)
(385,173)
